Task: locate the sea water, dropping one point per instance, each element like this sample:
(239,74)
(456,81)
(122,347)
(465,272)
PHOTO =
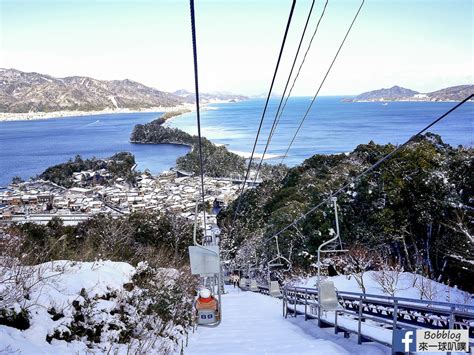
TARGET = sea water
(28,147)
(331,126)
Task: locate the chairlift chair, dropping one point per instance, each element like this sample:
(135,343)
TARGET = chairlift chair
(330,246)
(277,261)
(327,295)
(205,262)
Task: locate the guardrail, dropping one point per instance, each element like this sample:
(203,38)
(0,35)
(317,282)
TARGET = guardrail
(358,311)
(374,317)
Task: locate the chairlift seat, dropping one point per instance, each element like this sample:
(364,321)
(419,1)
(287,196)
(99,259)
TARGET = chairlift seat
(275,264)
(253,285)
(275,289)
(206,316)
(328,296)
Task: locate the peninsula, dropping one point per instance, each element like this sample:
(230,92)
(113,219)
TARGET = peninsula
(25,96)
(219,162)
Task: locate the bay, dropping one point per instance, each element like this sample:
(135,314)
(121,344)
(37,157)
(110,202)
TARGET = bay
(332,126)
(27,148)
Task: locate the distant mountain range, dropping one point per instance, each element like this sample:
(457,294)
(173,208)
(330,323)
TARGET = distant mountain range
(210,97)
(397,93)
(22,92)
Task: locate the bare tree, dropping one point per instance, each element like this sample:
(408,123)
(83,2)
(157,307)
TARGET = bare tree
(428,289)
(356,262)
(388,277)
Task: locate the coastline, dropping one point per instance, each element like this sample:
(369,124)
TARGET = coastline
(402,100)
(32,116)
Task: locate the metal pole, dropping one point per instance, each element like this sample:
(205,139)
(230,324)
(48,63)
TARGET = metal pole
(395,314)
(294,299)
(359,329)
(451,317)
(319,310)
(284,302)
(305,303)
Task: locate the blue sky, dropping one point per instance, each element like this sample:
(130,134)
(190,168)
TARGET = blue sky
(423,45)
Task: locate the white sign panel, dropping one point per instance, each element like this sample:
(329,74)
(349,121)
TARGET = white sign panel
(204,260)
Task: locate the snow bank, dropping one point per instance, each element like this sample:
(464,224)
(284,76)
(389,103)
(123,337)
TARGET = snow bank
(74,297)
(408,286)
(252,323)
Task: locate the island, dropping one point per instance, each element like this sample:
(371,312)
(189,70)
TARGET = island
(397,93)
(218,161)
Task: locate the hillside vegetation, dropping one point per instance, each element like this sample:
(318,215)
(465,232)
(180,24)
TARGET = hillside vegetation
(119,166)
(218,161)
(415,210)
(397,93)
(34,92)
(108,285)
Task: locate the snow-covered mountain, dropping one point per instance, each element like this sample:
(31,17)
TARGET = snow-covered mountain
(398,93)
(212,96)
(34,92)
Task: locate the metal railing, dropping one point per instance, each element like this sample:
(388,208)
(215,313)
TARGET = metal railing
(385,312)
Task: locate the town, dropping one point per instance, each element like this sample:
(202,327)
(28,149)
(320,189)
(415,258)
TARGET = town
(172,191)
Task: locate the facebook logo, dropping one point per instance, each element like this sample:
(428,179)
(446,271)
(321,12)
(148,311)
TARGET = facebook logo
(404,341)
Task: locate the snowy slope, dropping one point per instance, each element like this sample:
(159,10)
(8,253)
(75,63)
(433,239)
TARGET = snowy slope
(406,288)
(93,291)
(63,283)
(253,324)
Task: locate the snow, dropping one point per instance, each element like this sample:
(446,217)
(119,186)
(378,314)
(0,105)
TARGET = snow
(62,282)
(247,155)
(114,102)
(441,292)
(253,324)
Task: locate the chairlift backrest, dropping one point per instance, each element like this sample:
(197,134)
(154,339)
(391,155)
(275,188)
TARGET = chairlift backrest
(275,289)
(204,260)
(328,296)
(253,285)
(206,316)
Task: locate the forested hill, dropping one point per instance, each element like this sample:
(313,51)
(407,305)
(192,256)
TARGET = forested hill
(415,209)
(218,161)
(34,92)
(397,93)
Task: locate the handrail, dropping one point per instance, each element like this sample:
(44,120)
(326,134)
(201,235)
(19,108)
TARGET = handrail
(396,312)
(390,298)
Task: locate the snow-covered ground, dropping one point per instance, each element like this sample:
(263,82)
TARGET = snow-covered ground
(408,286)
(86,296)
(252,323)
(62,285)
